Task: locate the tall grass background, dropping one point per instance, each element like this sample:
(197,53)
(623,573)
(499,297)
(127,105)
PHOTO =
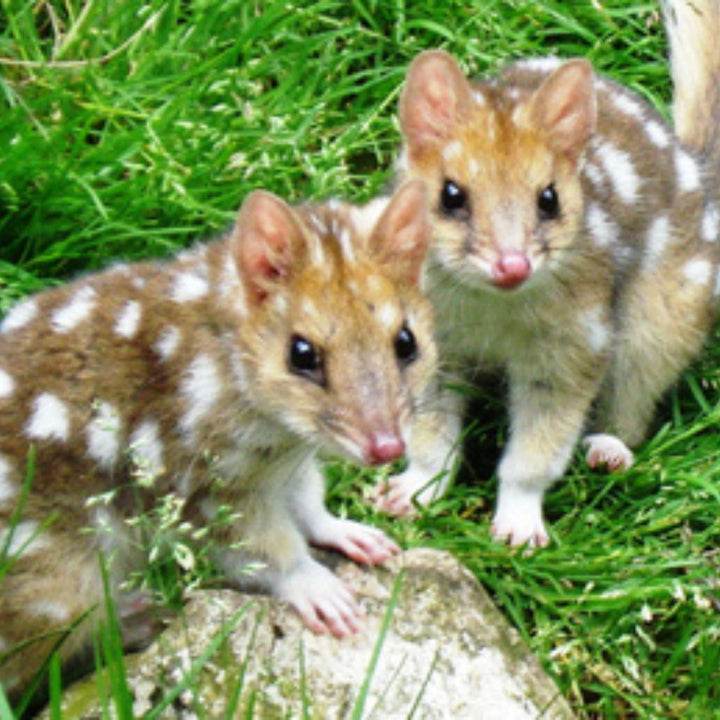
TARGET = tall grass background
(130,129)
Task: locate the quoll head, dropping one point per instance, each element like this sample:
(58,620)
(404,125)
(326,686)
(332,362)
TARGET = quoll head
(338,339)
(502,166)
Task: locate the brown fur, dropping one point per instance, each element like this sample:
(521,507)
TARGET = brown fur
(237,425)
(605,300)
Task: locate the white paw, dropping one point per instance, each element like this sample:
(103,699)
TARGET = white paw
(361,543)
(322,601)
(607,451)
(399,495)
(518,518)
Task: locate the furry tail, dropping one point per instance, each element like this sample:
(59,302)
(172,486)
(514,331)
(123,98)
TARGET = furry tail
(693,28)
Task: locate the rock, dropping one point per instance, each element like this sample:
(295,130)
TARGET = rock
(435,647)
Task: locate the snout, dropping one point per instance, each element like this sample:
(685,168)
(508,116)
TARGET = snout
(511,269)
(383,447)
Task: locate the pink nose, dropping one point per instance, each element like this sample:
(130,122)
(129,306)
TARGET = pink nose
(511,270)
(384,448)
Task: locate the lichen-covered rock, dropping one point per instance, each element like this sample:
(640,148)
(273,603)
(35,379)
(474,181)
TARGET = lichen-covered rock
(435,647)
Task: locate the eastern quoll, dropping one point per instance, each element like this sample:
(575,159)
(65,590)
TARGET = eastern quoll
(575,244)
(219,374)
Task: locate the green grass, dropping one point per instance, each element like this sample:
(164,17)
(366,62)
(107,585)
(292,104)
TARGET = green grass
(130,129)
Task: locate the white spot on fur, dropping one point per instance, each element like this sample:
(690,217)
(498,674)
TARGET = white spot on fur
(50,419)
(479,98)
(69,316)
(308,307)
(387,315)
(7,384)
(603,230)
(50,609)
(8,489)
(346,245)
(710,223)
(280,304)
(657,133)
(627,105)
(658,238)
(200,387)
(138,282)
(316,223)
(229,283)
(20,315)
(365,218)
(688,171)
(128,320)
(698,271)
(317,252)
(594,174)
(452,150)
(473,166)
(541,64)
(189,286)
(26,537)
(146,449)
(619,168)
(374,284)
(118,268)
(103,435)
(597,330)
(167,342)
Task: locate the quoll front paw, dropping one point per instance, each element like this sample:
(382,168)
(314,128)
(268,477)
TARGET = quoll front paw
(400,495)
(607,451)
(361,543)
(518,520)
(322,601)
(393,498)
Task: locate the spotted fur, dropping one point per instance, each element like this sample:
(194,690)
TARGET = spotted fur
(598,302)
(176,376)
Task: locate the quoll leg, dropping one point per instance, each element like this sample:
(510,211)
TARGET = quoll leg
(545,422)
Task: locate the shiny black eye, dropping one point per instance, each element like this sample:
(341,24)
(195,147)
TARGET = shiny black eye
(306,360)
(406,349)
(453,199)
(548,203)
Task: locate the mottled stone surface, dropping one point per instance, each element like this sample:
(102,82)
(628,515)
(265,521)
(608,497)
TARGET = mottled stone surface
(446,652)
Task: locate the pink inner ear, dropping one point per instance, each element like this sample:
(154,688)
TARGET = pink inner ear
(565,106)
(433,100)
(263,238)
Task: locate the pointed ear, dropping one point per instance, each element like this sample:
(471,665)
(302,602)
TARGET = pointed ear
(565,106)
(401,237)
(265,242)
(435,99)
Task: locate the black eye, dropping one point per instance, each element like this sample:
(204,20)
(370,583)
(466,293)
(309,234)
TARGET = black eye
(306,360)
(405,346)
(453,198)
(548,203)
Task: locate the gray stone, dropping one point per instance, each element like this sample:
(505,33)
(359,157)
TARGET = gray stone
(435,647)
